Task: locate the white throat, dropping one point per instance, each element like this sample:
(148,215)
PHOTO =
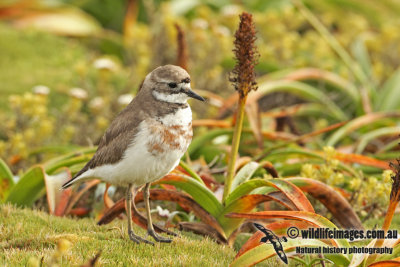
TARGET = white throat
(180,98)
(182,117)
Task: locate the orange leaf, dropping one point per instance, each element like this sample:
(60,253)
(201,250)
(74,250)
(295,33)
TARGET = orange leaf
(211,123)
(332,200)
(293,193)
(363,160)
(77,195)
(305,216)
(108,202)
(160,194)
(279,228)
(387,263)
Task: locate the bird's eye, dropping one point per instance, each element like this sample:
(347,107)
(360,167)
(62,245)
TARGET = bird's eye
(172,85)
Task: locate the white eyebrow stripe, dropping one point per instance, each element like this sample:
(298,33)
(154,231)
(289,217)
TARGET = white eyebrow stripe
(168,81)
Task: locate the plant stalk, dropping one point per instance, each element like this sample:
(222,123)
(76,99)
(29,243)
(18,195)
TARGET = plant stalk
(385,227)
(235,146)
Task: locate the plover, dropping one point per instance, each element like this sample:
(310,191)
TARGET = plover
(146,140)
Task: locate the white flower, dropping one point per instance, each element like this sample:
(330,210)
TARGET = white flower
(224,31)
(230,10)
(125,99)
(96,103)
(41,90)
(200,23)
(162,212)
(105,64)
(78,93)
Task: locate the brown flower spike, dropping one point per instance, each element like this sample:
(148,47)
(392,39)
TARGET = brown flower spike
(246,55)
(244,80)
(182,55)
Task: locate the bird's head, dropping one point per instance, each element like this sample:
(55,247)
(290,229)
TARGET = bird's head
(171,84)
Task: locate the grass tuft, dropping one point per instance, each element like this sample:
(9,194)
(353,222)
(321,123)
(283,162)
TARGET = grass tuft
(28,235)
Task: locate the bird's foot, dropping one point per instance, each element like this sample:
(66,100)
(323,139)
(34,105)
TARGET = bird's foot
(158,238)
(137,239)
(164,230)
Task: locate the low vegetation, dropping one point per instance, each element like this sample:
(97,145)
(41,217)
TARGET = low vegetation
(31,237)
(310,138)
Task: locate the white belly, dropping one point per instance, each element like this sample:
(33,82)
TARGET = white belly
(150,156)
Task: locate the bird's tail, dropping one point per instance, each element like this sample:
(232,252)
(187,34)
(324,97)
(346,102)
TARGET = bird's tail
(68,184)
(74,179)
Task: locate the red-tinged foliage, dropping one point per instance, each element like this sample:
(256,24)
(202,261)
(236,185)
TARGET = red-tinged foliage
(204,230)
(279,228)
(108,202)
(361,159)
(332,200)
(294,194)
(15,159)
(311,218)
(387,263)
(159,194)
(211,123)
(77,195)
(182,55)
(80,211)
(63,202)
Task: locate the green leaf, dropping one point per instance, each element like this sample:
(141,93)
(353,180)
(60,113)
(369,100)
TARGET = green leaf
(245,188)
(265,251)
(76,153)
(69,21)
(6,180)
(282,154)
(366,138)
(244,174)
(343,86)
(59,149)
(357,123)
(395,252)
(201,140)
(191,172)
(199,192)
(306,216)
(244,204)
(386,99)
(29,188)
(294,194)
(360,53)
(66,162)
(302,90)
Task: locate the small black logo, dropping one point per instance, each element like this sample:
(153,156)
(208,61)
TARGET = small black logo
(275,241)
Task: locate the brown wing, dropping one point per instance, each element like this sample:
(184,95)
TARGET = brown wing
(115,141)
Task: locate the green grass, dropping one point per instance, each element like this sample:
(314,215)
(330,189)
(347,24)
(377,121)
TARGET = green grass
(30,58)
(26,234)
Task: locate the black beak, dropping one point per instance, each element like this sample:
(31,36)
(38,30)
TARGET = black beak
(194,95)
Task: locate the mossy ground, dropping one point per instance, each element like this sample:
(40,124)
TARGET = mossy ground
(27,234)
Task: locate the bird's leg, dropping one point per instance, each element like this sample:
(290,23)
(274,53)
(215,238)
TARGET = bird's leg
(129,200)
(150,228)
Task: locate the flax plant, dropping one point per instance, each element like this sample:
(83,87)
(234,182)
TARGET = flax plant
(394,200)
(243,79)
